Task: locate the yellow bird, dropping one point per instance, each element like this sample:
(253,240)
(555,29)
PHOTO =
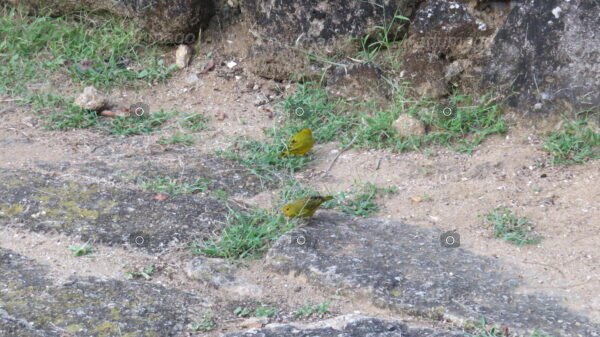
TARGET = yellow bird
(304,207)
(299,144)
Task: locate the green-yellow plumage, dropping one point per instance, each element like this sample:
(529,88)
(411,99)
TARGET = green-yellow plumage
(304,207)
(299,144)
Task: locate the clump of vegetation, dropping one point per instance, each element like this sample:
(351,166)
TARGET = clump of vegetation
(177,138)
(206,324)
(194,122)
(104,53)
(362,201)
(482,329)
(247,235)
(265,311)
(575,143)
(128,126)
(263,157)
(308,310)
(81,250)
(173,186)
(145,272)
(511,228)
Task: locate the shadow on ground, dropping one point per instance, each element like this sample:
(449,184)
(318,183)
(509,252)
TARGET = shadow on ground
(404,268)
(30,305)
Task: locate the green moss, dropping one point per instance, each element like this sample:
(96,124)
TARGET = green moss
(73,202)
(8,210)
(107,329)
(115,314)
(74,328)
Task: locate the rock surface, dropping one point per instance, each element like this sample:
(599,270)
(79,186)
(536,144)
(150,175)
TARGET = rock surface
(168,21)
(183,55)
(321,22)
(405,268)
(359,83)
(31,305)
(108,210)
(408,126)
(91,99)
(322,27)
(345,326)
(547,52)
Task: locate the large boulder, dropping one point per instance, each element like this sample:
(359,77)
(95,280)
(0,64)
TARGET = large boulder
(167,21)
(542,55)
(312,27)
(548,54)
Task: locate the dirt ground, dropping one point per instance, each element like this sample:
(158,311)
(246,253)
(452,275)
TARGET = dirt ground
(438,188)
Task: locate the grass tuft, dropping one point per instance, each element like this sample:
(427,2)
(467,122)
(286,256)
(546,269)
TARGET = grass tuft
(246,235)
(509,227)
(174,187)
(310,310)
(361,202)
(100,51)
(576,143)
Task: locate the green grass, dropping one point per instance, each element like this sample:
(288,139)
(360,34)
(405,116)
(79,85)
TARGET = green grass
(145,272)
(292,190)
(263,157)
(483,330)
(577,142)
(100,51)
(265,311)
(193,122)
(461,122)
(312,309)
(73,117)
(128,126)
(311,107)
(242,311)
(173,186)
(81,250)
(206,324)
(246,235)
(360,202)
(511,228)
(40,51)
(382,36)
(177,138)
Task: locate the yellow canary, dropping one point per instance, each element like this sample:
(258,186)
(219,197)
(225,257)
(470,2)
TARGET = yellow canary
(304,207)
(299,144)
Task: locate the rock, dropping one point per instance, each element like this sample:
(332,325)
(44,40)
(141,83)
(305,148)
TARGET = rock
(253,323)
(359,82)
(174,22)
(320,23)
(290,30)
(547,50)
(346,326)
(409,126)
(281,63)
(404,268)
(91,99)
(87,306)
(183,55)
(442,33)
(109,215)
(216,272)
